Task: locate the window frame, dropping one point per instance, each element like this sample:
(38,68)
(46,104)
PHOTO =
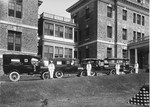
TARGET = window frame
(58,54)
(124,14)
(109,31)
(68,32)
(87,13)
(48,53)
(59,32)
(139,19)
(17,9)
(109,11)
(124,34)
(109,52)
(15,44)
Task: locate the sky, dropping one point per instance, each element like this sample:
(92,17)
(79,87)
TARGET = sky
(57,7)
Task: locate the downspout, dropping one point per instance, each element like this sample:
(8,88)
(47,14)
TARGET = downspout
(116,29)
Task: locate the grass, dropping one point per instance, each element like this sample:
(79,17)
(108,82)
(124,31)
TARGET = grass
(100,91)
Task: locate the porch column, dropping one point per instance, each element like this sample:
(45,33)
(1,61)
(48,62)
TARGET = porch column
(136,56)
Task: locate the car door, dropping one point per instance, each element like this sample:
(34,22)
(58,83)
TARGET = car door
(27,66)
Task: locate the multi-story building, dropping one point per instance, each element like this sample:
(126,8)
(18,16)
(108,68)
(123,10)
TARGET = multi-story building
(57,37)
(106,26)
(19,26)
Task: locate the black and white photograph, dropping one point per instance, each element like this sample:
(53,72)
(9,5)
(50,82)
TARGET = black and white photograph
(74,53)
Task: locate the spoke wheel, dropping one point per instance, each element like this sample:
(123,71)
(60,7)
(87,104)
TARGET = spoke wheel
(83,73)
(113,72)
(45,75)
(14,76)
(58,74)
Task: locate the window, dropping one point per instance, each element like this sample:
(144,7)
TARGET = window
(75,36)
(75,54)
(109,11)
(138,19)
(58,52)
(59,31)
(48,52)
(134,35)
(124,34)
(139,1)
(124,16)
(14,41)
(68,33)
(109,31)
(87,31)
(138,36)
(87,13)
(109,52)
(142,36)
(124,53)
(68,53)
(15,8)
(134,17)
(49,29)
(143,20)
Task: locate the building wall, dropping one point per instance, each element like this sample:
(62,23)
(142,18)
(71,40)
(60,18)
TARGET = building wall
(52,40)
(27,25)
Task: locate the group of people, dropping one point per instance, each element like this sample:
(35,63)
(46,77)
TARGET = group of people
(117,67)
(51,68)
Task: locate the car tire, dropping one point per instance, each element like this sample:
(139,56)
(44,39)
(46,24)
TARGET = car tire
(59,74)
(14,76)
(45,75)
(83,73)
(132,71)
(113,72)
(93,73)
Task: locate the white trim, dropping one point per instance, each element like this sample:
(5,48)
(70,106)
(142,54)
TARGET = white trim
(102,41)
(18,51)
(88,43)
(118,43)
(58,39)
(16,24)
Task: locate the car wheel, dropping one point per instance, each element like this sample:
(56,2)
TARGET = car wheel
(93,73)
(14,76)
(132,70)
(113,72)
(59,74)
(83,73)
(45,75)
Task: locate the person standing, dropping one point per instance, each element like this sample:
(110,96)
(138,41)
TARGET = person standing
(51,68)
(88,68)
(117,68)
(136,67)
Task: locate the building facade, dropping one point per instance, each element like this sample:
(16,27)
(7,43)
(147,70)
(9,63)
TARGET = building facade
(106,26)
(57,37)
(19,26)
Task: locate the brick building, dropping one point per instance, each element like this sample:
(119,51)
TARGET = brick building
(18,26)
(106,26)
(57,37)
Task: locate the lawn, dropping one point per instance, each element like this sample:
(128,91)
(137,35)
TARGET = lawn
(100,91)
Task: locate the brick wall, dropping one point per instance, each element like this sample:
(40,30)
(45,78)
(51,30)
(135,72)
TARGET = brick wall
(28,25)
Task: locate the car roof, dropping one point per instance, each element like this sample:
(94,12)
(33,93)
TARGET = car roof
(9,55)
(87,59)
(63,59)
(116,59)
